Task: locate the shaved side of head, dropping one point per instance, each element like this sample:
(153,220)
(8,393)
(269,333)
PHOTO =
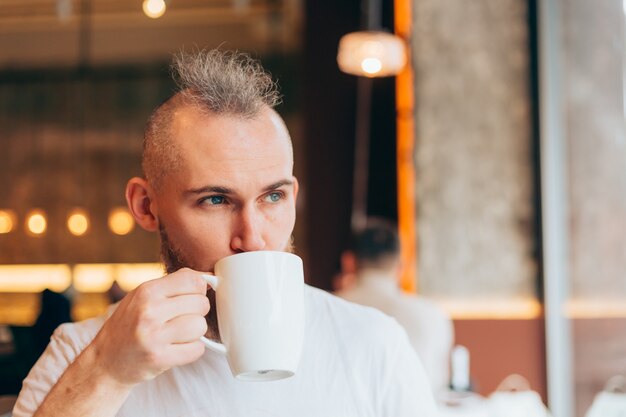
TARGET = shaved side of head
(215,82)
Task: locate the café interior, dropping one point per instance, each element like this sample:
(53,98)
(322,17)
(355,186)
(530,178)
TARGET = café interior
(481,128)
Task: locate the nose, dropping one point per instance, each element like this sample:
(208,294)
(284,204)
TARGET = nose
(247,231)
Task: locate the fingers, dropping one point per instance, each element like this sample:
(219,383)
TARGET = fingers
(184,353)
(184,329)
(195,304)
(157,326)
(182,282)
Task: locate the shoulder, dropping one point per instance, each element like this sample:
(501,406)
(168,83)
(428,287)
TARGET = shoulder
(421,303)
(67,342)
(345,311)
(375,352)
(421,310)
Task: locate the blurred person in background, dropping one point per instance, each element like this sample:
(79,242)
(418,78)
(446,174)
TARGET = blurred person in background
(376,252)
(55,310)
(115,293)
(346,275)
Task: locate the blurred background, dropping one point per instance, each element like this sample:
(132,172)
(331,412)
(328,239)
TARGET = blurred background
(498,147)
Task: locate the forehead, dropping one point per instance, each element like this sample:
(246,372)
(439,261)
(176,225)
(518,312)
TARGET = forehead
(229,148)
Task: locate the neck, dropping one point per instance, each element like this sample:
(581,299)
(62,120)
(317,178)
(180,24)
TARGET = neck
(384,279)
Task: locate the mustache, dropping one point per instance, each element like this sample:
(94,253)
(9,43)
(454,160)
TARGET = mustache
(173,258)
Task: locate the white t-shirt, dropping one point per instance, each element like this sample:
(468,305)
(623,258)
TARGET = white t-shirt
(429,328)
(356,362)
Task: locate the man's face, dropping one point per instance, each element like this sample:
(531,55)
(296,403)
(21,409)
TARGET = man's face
(234,191)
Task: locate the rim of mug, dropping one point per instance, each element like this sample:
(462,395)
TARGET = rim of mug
(256,252)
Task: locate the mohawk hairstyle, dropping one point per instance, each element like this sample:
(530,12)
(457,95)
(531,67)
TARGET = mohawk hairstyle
(224,82)
(213,81)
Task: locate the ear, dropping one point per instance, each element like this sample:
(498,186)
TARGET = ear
(141,203)
(349,263)
(296,186)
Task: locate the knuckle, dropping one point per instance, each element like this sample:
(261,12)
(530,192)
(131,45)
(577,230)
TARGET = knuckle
(147,324)
(200,284)
(192,279)
(142,336)
(144,292)
(146,314)
(195,327)
(202,325)
(205,306)
(154,358)
(200,302)
(184,271)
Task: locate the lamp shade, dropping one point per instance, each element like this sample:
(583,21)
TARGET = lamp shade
(371,54)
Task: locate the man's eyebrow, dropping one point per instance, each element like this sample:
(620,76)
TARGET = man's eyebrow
(278,185)
(225,190)
(210,189)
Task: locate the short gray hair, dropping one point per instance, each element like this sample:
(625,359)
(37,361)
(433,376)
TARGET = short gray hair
(214,81)
(224,82)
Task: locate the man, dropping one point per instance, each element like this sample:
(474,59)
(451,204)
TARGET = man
(218,181)
(376,250)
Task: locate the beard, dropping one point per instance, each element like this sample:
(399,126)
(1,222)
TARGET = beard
(174,259)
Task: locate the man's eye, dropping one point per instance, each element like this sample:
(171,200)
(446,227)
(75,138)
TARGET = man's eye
(274,197)
(214,200)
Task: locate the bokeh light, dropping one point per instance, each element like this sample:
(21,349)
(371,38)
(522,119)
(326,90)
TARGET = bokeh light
(154,8)
(7,221)
(371,65)
(78,222)
(36,222)
(120,221)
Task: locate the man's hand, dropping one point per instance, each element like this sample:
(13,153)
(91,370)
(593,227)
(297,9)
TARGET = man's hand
(155,327)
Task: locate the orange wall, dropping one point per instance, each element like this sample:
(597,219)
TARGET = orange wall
(502,347)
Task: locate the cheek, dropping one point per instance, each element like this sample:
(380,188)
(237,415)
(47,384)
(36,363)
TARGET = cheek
(203,240)
(281,224)
(210,234)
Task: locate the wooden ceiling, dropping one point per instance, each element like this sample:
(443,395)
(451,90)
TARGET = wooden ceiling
(62,33)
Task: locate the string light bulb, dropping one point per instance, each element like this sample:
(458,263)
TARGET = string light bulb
(120,221)
(154,8)
(78,222)
(8,219)
(36,222)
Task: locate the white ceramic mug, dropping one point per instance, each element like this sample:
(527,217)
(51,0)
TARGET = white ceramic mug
(260,313)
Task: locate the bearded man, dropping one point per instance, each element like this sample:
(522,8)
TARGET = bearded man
(218,180)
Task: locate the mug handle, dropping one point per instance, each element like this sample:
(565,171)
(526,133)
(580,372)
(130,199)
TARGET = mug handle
(213,281)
